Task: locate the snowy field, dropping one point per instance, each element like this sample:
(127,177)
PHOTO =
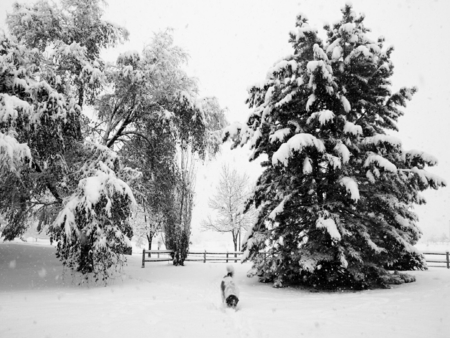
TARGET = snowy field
(37,299)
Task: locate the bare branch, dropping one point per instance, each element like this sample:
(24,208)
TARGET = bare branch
(228,204)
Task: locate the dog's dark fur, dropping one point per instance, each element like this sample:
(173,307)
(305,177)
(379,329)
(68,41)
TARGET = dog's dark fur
(230,292)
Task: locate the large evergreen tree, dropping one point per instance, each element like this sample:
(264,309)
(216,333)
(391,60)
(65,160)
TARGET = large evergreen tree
(337,194)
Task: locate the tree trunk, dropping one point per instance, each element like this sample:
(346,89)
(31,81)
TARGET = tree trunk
(239,234)
(317,175)
(49,184)
(149,239)
(81,96)
(234,239)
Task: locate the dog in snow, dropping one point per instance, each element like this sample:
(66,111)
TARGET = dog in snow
(230,291)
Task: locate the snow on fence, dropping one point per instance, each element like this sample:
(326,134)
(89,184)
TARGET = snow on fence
(195,256)
(204,256)
(437,263)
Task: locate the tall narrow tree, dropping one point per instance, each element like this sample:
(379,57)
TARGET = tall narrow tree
(153,117)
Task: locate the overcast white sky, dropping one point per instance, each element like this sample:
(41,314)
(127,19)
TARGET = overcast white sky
(233,43)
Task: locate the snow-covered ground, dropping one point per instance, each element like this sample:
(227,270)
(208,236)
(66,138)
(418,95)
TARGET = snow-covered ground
(39,299)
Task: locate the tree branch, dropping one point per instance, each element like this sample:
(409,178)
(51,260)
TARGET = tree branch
(131,132)
(118,133)
(49,184)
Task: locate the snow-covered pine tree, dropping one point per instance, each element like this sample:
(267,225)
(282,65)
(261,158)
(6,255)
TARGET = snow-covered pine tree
(337,193)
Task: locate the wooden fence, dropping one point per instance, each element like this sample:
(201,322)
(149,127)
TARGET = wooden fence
(230,256)
(195,256)
(438,263)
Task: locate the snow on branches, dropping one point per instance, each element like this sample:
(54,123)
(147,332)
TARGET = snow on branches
(50,68)
(296,144)
(12,153)
(26,100)
(92,230)
(322,117)
(330,226)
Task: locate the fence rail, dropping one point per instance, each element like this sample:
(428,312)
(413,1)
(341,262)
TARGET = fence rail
(194,256)
(444,263)
(204,256)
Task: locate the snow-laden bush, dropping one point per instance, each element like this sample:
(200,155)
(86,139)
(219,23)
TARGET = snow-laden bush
(92,230)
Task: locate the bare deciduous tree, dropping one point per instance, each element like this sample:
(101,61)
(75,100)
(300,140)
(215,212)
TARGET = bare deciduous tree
(228,204)
(146,225)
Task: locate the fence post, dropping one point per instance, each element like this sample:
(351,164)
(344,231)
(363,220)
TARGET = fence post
(143,258)
(448,260)
(204,257)
(158,254)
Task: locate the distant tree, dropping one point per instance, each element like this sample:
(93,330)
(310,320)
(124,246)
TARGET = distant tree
(146,225)
(337,194)
(228,204)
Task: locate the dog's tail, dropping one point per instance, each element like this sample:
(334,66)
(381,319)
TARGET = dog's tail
(230,271)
